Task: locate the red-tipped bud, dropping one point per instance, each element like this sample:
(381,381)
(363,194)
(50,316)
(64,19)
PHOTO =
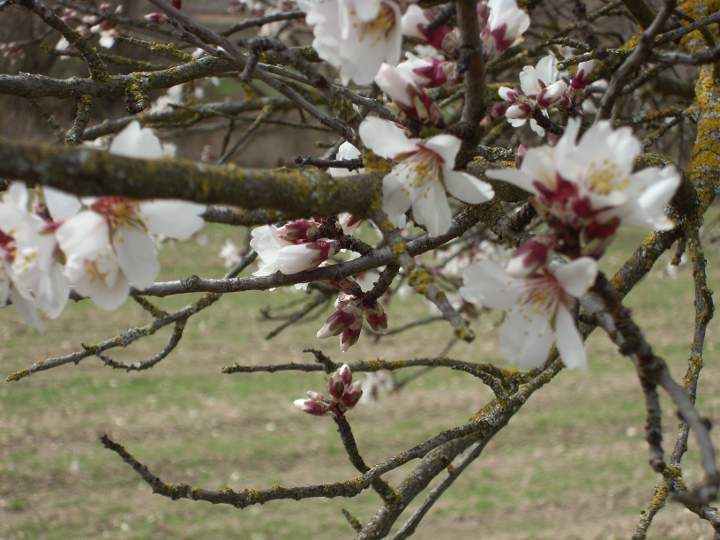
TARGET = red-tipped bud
(530,256)
(339,381)
(347,315)
(352,395)
(376,317)
(177,4)
(519,110)
(582,76)
(311,406)
(552,94)
(300,230)
(155,17)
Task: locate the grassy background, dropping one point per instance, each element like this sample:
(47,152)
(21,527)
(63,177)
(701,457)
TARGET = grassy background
(572,464)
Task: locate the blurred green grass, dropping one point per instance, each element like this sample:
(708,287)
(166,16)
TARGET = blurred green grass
(571,464)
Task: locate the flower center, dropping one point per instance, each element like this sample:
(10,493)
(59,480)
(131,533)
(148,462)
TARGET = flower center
(381,25)
(604,178)
(117,210)
(542,293)
(426,167)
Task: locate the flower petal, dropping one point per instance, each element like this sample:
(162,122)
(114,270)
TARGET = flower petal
(488,284)
(385,138)
(60,204)
(577,276)
(396,199)
(432,210)
(569,343)
(467,188)
(136,142)
(137,256)
(526,338)
(172,218)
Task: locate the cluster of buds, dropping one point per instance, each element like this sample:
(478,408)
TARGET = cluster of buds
(347,319)
(542,87)
(344,395)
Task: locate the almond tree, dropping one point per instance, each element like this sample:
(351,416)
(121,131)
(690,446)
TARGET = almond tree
(497,149)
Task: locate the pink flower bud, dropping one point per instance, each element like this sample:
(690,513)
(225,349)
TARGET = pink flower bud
(582,76)
(376,317)
(519,110)
(177,4)
(530,256)
(300,230)
(339,381)
(155,17)
(352,395)
(508,94)
(349,337)
(551,94)
(310,406)
(347,314)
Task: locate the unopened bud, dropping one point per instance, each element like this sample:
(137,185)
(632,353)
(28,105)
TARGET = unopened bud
(299,230)
(376,317)
(352,395)
(155,17)
(311,406)
(519,110)
(339,381)
(582,76)
(551,94)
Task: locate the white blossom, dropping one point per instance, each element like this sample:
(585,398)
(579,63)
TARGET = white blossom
(423,172)
(590,184)
(355,35)
(539,308)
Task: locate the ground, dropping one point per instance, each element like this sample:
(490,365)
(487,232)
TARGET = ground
(571,465)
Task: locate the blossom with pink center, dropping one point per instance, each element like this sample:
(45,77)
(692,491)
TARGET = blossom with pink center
(414,24)
(356,36)
(590,185)
(30,275)
(427,71)
(504,24)
(539,308)
(401,87)
(424,170)
(105,240)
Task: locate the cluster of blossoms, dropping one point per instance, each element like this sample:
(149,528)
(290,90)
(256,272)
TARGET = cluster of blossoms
(584,190)
(99,247)
(542,88)
(344,395)
(88,25)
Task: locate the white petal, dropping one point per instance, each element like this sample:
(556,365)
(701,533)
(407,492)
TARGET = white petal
(106,297)
(467,188)
(488,284)
(172,218)
(446,146)
(26,309)
(569,343)
(432,209)
(136,142)
(526,337)
(577,276)
(83,234)
(136,255)
(513,176)
(60,204)
(385,138)
(396,199)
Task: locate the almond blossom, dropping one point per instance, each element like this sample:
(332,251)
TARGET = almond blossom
(290,249)
(422,173)
(355,35)
(30,276)
(105,240)
(504,24)
(540,87)
(415,23)
(590,185)
(539,307)
(403,86)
